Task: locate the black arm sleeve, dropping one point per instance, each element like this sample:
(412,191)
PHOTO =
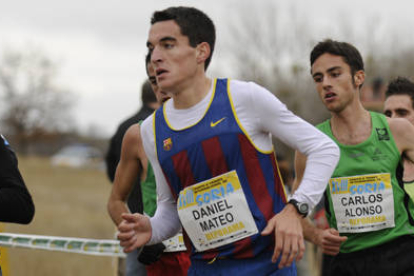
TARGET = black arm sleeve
(16,204)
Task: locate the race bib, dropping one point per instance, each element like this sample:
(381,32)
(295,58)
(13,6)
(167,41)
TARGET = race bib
(363,203)
(215,212)
(175,244)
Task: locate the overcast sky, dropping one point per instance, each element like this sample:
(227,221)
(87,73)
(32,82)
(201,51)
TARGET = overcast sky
(100,45)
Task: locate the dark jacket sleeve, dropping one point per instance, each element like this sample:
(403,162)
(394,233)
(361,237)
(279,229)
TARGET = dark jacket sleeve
(16,204)
(112,157)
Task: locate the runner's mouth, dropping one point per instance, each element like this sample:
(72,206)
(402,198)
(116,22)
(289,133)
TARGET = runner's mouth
(160,72)
(329,95)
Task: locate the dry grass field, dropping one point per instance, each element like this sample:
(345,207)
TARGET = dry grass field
(69,203)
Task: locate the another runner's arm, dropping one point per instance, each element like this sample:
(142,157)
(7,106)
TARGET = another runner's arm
(403,133)
(128,169)
(310,232)
(165,223)
(16,204)
(327,239)
(321,152)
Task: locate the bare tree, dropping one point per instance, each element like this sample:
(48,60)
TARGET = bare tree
(270,45)
(32,104)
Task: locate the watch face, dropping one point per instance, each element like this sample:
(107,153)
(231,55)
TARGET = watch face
(304,208)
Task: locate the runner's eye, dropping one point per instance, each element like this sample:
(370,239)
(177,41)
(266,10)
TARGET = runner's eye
(317,79)
(335,74)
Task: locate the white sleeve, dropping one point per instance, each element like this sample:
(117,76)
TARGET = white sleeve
(165,223)
(322,153)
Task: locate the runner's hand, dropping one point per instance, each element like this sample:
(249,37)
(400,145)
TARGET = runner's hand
(330,241)
(289,242)
(134,231)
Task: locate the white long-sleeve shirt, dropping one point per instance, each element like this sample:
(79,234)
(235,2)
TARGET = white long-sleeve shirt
(261,115)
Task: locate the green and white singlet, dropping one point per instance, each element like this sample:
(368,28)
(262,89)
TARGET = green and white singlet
(366,199)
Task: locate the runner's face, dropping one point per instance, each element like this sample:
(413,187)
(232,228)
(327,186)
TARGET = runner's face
(399,106)
(333,81)
(160,95)
(172,57)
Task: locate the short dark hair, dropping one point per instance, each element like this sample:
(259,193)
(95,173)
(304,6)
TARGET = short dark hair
(193,23)
(147,95)
(347,51)
(401,86)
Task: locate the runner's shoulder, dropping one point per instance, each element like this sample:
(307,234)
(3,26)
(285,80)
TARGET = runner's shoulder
(400,126)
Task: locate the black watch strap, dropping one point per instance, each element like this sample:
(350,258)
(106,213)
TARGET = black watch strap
(301,208)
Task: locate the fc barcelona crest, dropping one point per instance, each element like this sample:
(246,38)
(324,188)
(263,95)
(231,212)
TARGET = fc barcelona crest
(167,144)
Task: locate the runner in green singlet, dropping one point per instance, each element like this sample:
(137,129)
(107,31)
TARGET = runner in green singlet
(173,261)
(149,194)
(371,224)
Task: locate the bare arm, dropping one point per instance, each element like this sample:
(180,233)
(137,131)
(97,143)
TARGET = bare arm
(328,239)
(403,133)
(300,164)
(134,229)
(129,168)
(309,230)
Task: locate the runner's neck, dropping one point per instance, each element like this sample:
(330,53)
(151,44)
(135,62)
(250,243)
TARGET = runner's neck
(351,127)
(192,94)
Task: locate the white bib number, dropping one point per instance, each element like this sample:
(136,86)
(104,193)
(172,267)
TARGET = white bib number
(215,212)
(363,203)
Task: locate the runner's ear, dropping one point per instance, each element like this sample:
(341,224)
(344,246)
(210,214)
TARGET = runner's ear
(203,52)
(359,78)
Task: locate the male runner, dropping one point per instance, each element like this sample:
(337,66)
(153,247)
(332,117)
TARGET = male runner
(211,150)
(366,202)
(129,266)
(399,103)
(133,163)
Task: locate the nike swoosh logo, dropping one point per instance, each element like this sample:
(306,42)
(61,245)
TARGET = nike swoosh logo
(213,124)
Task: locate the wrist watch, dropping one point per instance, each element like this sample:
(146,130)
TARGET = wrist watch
(301,207)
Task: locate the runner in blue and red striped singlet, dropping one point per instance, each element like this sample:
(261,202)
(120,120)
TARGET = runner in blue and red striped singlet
(211,150)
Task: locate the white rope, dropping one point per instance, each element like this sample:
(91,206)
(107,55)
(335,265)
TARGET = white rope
(65,244)
(78,245)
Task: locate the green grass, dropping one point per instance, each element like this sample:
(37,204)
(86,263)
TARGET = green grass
(69,203)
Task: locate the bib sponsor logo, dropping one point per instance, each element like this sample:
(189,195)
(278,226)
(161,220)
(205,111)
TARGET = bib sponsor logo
(378,155)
